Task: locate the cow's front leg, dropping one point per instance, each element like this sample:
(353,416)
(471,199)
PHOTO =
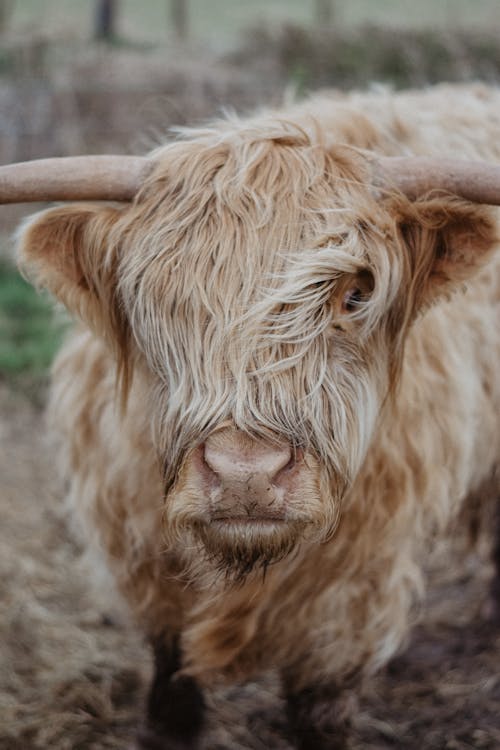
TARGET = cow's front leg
(318,717)
(175,706)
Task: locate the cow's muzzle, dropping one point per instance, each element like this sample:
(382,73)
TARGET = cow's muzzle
(246,480)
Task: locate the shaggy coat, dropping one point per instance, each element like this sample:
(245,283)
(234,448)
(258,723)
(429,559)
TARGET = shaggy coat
(262,283)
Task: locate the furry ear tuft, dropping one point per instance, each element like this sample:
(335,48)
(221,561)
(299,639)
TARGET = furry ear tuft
(445,241)
(73,251)
(69,250)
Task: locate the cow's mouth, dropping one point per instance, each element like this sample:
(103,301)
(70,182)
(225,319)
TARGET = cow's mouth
(247,521)
(238,545)
(256,516)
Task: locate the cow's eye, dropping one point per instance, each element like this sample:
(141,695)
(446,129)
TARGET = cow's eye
(351,300)
(353,295)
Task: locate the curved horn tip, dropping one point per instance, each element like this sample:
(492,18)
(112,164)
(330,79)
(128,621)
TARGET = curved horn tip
(107,177)
(478,182)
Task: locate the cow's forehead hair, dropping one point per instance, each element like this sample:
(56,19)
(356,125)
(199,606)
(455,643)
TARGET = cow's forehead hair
(229,229)
(223,214)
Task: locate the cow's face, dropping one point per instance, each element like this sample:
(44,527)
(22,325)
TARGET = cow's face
(263,293)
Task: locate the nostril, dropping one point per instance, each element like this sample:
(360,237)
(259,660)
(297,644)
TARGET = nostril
(217,461)
(296,456)
(206,459)
(290,464)
(206,467)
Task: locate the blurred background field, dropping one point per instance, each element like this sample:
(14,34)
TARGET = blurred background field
(220,22)
(112,76)
(74,77)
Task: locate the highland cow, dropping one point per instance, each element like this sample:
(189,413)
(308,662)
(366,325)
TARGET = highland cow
(285,385)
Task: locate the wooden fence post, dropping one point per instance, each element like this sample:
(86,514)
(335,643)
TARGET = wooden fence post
(324,13)
(179,17)
(6,8)
(105,19)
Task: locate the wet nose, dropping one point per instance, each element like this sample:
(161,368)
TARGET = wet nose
(241,461)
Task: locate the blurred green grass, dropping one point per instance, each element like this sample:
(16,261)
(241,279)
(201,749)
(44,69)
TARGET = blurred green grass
(29,332)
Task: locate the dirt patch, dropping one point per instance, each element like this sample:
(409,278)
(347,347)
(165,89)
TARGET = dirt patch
(73,671)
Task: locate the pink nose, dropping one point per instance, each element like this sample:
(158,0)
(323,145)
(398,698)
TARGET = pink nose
(248,471)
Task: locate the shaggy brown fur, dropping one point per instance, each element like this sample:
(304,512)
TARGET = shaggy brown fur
(217,299)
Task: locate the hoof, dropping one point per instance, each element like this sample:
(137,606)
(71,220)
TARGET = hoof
(147,739)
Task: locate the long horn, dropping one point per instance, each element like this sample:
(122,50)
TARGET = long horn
(478,182)
(106,178)
(118,178)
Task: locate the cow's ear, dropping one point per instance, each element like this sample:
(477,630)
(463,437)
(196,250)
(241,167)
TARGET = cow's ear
(73,252)
(445,242)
